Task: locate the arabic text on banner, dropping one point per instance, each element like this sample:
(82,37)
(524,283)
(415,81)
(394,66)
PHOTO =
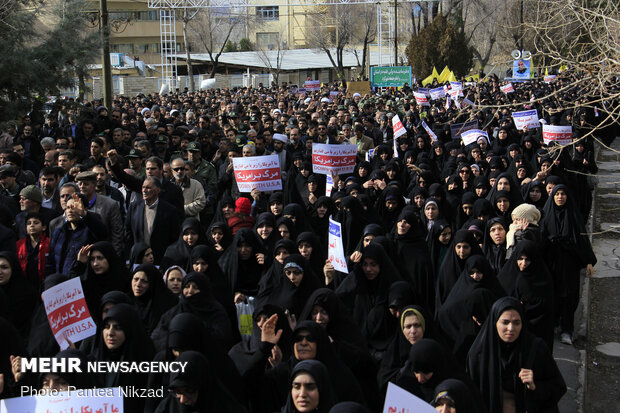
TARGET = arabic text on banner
(337,158)
(398,400)
(260,172)
(312,85)
(507,88)
(458,128)
(527,118)
(429,131)
(421,99)
(101,400)
(398,127)
(437,93)
(472,136)
(335,250)
(68,313)
(562,135)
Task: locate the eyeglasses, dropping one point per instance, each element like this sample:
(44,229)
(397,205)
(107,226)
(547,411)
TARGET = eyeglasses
(309,337)
(178,169)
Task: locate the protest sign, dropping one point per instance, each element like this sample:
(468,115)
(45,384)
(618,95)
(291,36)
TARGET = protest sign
(437,93)
(458,128)
(550,78)
(257,172)
(527,118)
(361,87)
(456,85)
(454,93)
(301,91)
(333,93)
(398,127)
(507,88)
(472,136)
(369,154)
(421,99)
(398,400)
(337,158)
(68,313)
(329,184)
(312,85)
(335,250)
(425,90)
(390,76)
(101,400)
(429,131)
(562,135)
(521,69)
(468,102)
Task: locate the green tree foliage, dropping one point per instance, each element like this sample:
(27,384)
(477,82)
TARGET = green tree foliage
(38,61)
(245,45)
(231,47)
(441,43)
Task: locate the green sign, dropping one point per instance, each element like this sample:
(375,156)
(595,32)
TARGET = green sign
(391,76)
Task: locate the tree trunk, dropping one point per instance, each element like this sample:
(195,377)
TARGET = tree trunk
(190,72)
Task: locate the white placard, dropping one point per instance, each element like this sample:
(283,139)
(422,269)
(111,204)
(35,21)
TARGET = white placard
(429,131)
(101,400)
(312,85)
(328,158)
(398,127)
(68,313)
(335,250)
(437,93)
(398,400)
(258,172)
(562,135)
(472,136)
(421,99)
(527,118)
(507,88)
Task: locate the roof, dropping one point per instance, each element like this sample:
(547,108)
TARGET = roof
(292,60)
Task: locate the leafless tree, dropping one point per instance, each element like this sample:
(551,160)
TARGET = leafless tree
(187,16)
(365,34)
(273,58)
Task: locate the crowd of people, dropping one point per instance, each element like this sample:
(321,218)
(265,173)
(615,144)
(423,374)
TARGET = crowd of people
(464,260)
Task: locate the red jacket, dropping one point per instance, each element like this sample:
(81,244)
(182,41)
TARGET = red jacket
(22,254)
(238,221)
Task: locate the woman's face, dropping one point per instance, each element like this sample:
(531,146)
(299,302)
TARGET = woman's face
(391,174)
(402,227)
(503,204)
(503,184)
(462,249)
(217,235)
(320,316)
(476,274)
(281,254)
(431,212)
(371,268)
(509,326)
(175,279)
(294,275)
(191,288)
(276,208)
(305,249)
(305,345)
(445,236)
(481,191)
(467,208)
(305,393)
(523,262)
(560,197)
(284,232)
(190,237)
(521,173)
(312,187)
(98,262)
(498,233)
(264,231)
(419,200)
(244,250)
(200,265)
(412,329)
(362,171)
(5,271)
(367,239)
(139,283)
(321,211)
(113,335)
(438,150)
(227,211)
(535,194)
(148,257)
(391,205)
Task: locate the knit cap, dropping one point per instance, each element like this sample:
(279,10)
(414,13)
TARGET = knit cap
(243,206)
(527,211)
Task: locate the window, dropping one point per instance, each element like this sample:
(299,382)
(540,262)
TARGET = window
(120,15)
(121,48)
(146,15)
(268,12)
(267,40)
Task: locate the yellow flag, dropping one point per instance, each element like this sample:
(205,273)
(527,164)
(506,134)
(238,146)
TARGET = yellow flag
(473,78)
(546,71)
(427,80)
(444,75)
(451,77)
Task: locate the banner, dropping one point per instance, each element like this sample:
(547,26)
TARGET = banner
(398,400)
(458,128)
(421,99)
(312,85)
(437,93)
(390,76)
(329,184)
(472,136)
(521,69)
(456,85)
(527,118)
(562,135)
(507,88)
(361,87)
(68,313)
(301,91)
(429,131)
(425,90)
(398,127)
(335,250)
(337,158)
(258,172)
(369,154)
(550,78)
(468,102)
(101,400)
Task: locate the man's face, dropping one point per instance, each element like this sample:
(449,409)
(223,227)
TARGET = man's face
(101,175)
(153,170)
(117,136)
(7,182)
(87,129)
(150,192)
(178,169)
(194,156)
(278,145)
(48,183)
(95,149)
(27,130)
(87,187)
(294,135)
(28,205)
(19,149)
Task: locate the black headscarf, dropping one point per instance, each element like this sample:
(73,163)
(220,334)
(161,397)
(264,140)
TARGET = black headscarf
(458,392)
(353,219)
(437,250)
(21,295)
(495,254)
(136,255)
(180,253)
(243,276)
(319,373)
(267,218)
(226,240)
(156,300)
(319,225)
(289,296)
(318,256)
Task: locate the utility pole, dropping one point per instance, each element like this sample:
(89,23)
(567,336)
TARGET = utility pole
(395,32)
(106,71)
(521,34)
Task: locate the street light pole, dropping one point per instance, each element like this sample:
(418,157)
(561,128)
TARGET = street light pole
(395,32)
(105,54)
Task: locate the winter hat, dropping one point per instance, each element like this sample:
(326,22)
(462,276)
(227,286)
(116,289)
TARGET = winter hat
(243,206)
(32,193)
(527,211)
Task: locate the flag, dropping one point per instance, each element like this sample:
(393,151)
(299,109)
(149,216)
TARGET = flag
(444,75)
(546,71)
(451,77)
(430,78)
